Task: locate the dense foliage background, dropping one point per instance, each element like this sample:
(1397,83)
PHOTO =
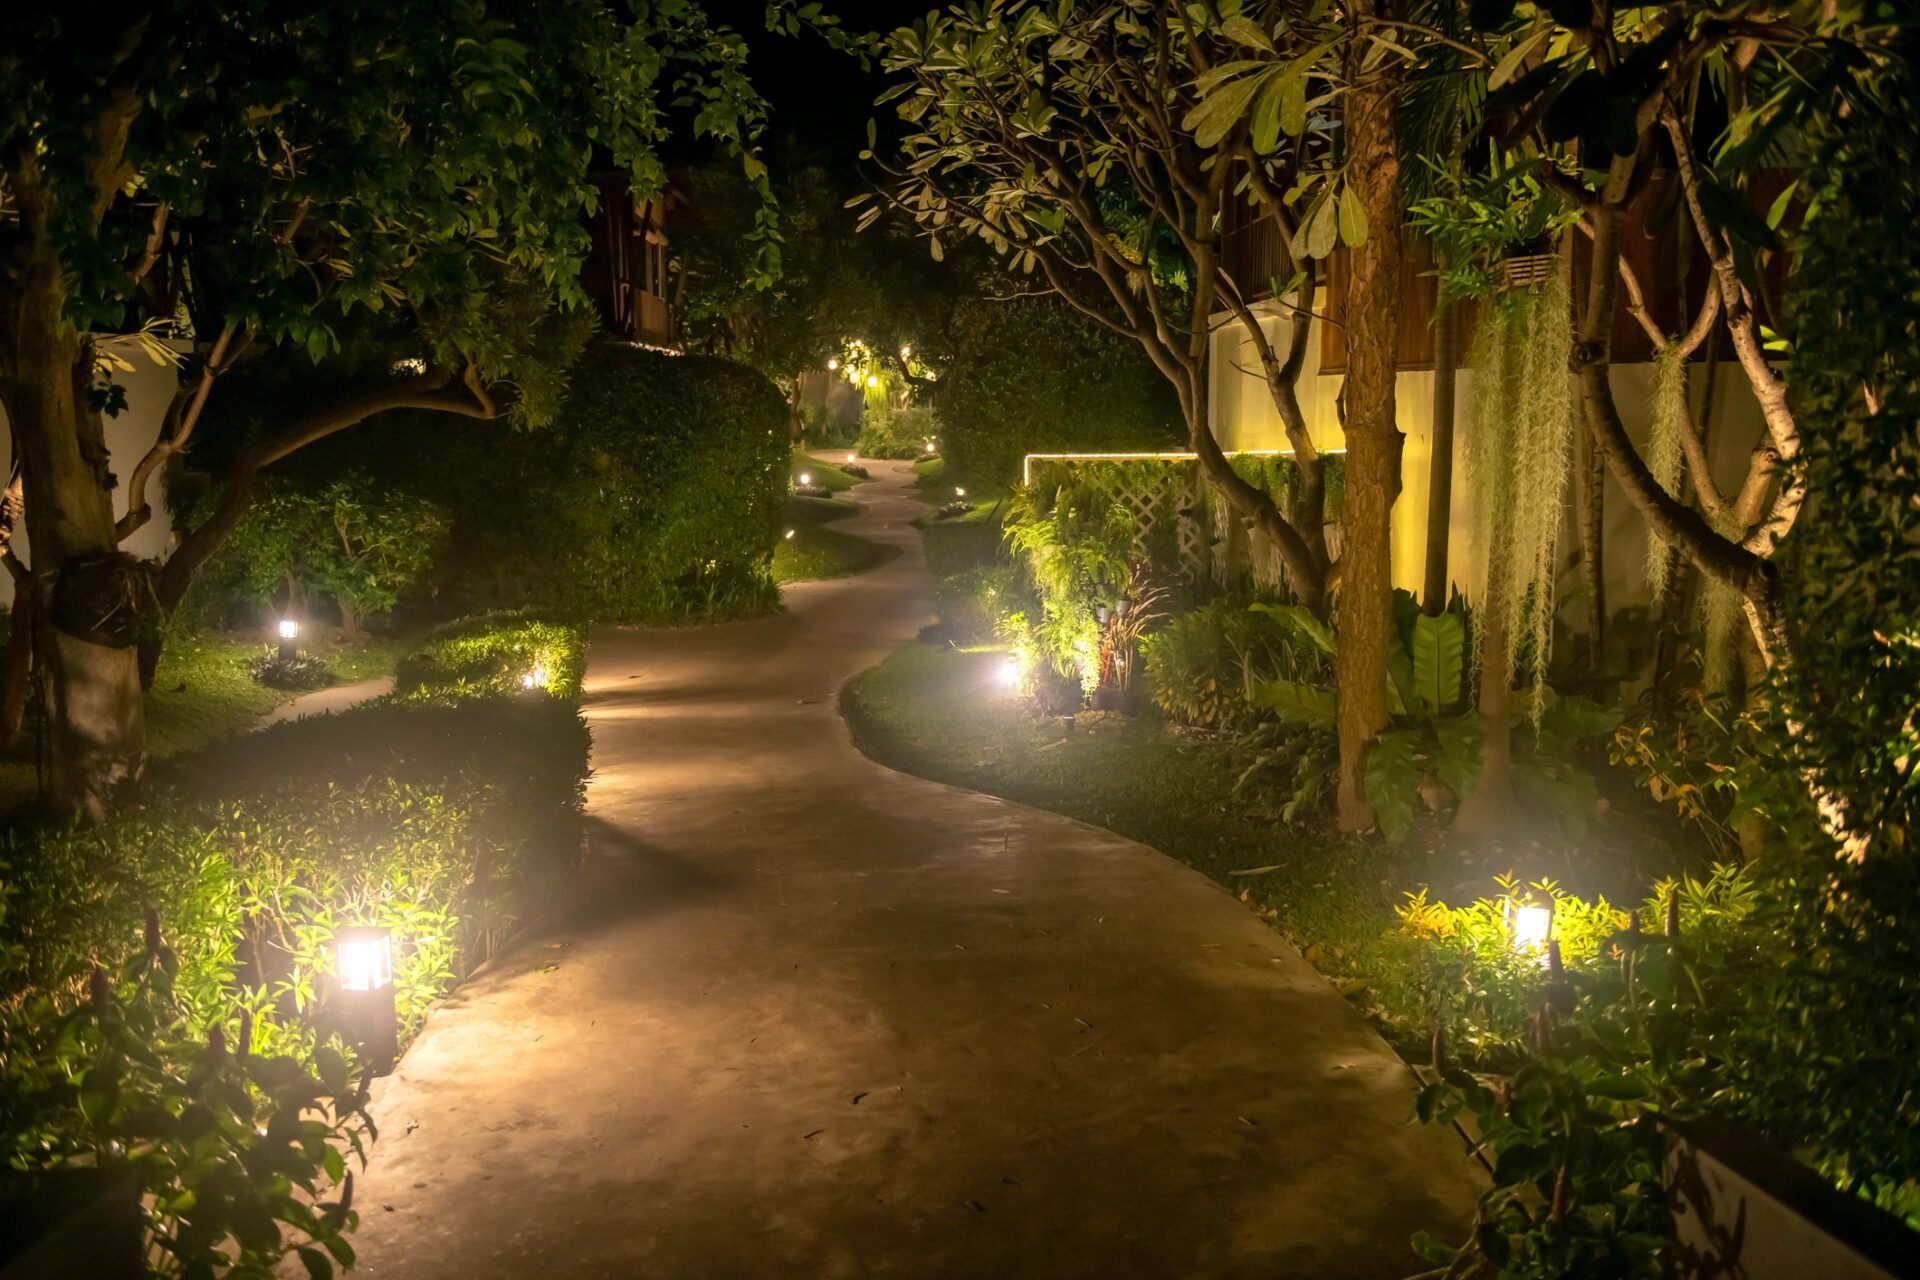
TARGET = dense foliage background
(1032,375)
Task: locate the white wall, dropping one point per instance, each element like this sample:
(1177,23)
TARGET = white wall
(150,388)
(1243,417)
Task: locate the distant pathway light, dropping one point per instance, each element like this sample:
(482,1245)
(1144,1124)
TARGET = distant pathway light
(958,492)
(289,638)
(872,380)
(929,446)
(832,364)
(1012,672)
(537,678)
(805,478)
(789,533)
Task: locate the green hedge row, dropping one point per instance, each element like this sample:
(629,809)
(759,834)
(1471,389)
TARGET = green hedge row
(1032,375)
(166,978)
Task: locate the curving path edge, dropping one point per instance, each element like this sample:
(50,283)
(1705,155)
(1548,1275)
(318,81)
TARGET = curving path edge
(817,1018)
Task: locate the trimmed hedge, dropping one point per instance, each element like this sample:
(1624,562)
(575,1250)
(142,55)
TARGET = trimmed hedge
(655,496)
(1032,375)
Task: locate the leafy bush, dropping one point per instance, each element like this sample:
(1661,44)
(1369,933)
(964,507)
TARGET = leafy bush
(1034,375)
(359,543)
(214,1065)
(1730,998)
(1205,666)
(898,433)
(654,496)
(974,602)
(495,653)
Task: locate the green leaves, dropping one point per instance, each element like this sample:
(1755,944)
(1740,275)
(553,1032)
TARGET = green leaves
(1438,645)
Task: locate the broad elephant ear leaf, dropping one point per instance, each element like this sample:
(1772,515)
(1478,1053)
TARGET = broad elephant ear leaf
(1306,704)
(1439,660)
(1392,783)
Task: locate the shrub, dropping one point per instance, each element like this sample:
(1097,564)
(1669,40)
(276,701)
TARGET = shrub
(898,433)
(1034,375)
(495,654)
(654,496)
(1729,998)
(1205,666)
(975,602)
(361,544)
(212,1064)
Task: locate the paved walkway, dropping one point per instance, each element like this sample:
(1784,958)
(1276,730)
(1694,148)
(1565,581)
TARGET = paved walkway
(324,702)
(822,1019)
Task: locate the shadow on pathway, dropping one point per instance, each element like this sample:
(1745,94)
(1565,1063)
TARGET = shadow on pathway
(816,1018)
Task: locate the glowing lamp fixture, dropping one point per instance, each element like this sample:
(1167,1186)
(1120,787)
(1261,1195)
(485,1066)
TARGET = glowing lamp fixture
(289,629)
(805,478)
(851,457)
(1530,925)
(538,678)
(365,957)
(832,365)
(1010,674)
(872,381)
(789,533)
(929,446)
(363,966)
(958,492)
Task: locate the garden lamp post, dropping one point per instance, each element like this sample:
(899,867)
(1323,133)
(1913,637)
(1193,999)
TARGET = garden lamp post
(289,639)
(1530,926)
(364,969)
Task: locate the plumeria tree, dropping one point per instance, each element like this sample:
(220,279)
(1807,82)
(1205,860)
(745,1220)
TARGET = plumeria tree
(397,190)
(1097,146)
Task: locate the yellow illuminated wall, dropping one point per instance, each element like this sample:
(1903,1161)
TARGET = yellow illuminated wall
(1243,417)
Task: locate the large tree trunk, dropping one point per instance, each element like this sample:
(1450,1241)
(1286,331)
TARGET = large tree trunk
(1446,362)
(1593,548)
(87,601)
(1364,606)
(1488,808)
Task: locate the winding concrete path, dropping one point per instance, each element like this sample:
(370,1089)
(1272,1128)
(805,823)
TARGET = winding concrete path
(816,1018)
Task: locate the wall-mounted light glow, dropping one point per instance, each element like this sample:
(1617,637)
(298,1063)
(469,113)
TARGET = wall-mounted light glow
(289,629)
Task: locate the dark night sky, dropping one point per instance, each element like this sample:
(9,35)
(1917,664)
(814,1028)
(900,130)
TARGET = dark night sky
(817,96)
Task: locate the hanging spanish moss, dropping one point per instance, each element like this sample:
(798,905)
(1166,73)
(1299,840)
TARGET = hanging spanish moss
(1518,449)
(1663,450)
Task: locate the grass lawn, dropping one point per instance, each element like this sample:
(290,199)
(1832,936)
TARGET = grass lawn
(939,713)
(824,474)
(816,551)
(202,694)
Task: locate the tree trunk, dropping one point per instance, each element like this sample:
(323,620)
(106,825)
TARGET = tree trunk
(1446,361)
(1488,808)
(83,609)
(1363,609)
(1593,551)
(17,682)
